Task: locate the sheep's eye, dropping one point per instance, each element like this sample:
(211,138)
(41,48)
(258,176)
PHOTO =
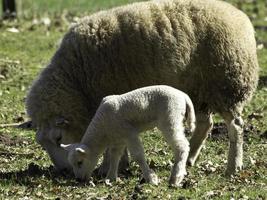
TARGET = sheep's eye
(79,163)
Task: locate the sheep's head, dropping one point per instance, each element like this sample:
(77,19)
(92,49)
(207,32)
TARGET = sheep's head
(59,111)
(82,160)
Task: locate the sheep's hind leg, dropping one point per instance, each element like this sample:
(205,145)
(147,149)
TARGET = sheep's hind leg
(235,132)
(115,155)
(137,151)
(204,125)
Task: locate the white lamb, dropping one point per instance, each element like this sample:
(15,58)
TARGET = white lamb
(118,122)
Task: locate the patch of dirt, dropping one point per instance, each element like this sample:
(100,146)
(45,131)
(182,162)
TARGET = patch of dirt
(12,141)
(251,129)
(219,131)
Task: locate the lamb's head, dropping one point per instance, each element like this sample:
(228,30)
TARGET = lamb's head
(54,132)
(81,159)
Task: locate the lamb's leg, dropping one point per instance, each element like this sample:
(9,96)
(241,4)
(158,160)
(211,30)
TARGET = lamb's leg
(104,167)
(174,135)
(180,148)
(235,132)
(115,155)
(204,125)
(137,151)
(124,161)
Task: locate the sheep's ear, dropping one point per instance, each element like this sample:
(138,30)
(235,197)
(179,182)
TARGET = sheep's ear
(80,150)
(67,147)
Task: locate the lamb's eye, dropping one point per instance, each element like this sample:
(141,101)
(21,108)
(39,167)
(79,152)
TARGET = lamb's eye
(79,163)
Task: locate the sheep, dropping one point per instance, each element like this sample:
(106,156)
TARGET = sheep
(120,119)
(207,49)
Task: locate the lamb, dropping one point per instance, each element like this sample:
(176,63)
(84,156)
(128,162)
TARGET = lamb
(205,48)
(120,119)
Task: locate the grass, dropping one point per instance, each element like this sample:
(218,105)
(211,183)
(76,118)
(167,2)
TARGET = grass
(25,170)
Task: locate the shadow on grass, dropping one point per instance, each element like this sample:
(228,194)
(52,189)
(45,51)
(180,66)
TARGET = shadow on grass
(24,177)
(262,82)
(28,176)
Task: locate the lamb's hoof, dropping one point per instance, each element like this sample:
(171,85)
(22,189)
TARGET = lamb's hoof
(153,179)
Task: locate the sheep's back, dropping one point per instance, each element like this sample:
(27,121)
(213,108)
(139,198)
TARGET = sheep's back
(134,46)
(205,48)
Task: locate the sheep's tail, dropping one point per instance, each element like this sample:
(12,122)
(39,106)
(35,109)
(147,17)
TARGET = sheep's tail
(190,114)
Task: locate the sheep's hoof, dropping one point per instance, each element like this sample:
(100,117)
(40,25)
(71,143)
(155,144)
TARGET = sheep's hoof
(175,185)
(232,170)
(111,178)
(229,173)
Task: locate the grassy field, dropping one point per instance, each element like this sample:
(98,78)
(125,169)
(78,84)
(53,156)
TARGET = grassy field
(27,44)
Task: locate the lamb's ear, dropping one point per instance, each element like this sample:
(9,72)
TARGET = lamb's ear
(67,147)
(80,150)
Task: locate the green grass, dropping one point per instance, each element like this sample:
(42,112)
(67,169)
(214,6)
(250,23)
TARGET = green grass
(23,54)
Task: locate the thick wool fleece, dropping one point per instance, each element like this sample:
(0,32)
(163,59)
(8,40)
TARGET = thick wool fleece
(205,48)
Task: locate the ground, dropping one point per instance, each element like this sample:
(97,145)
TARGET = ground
(27,44)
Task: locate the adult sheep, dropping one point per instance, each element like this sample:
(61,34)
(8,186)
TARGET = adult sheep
(204,48)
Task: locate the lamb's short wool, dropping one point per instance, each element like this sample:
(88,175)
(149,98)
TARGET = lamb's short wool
(121,118)
(206,48)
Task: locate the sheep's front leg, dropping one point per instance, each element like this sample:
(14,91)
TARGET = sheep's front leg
(137,151)
(115,155)
(235,132)
(204,125)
